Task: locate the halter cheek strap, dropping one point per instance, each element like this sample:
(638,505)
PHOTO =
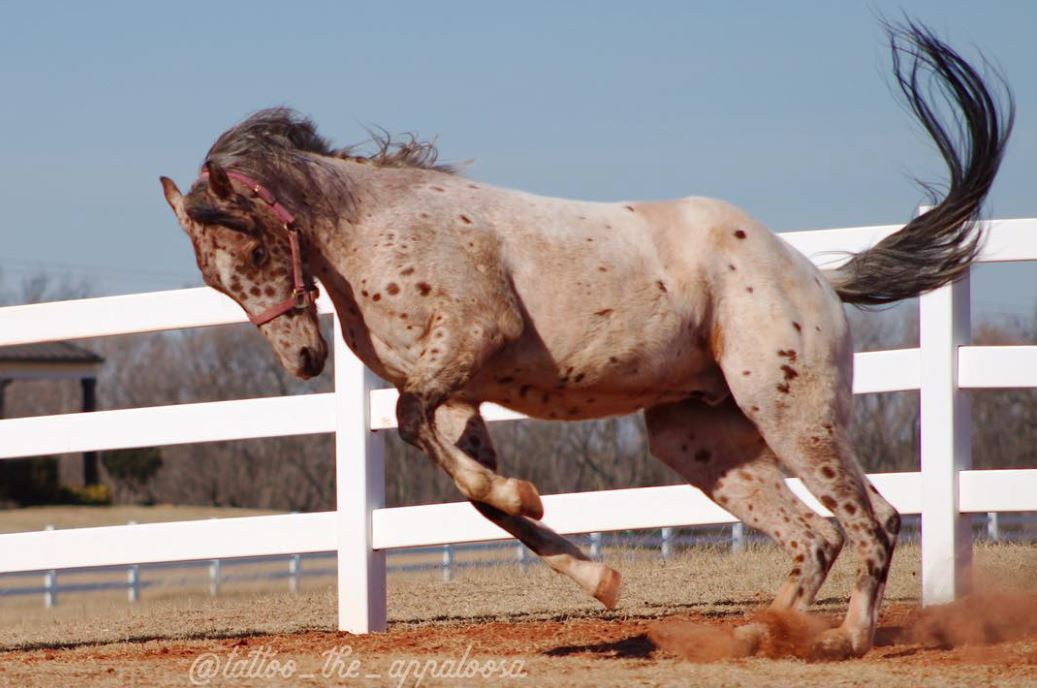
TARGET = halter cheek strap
(304,295)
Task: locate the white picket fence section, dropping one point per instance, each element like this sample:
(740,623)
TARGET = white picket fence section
(360,529)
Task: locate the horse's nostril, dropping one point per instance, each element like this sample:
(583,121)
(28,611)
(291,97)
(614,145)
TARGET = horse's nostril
(309,363)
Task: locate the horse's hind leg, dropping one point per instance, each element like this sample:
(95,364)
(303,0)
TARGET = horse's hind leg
(718,450)
(799,398)
(463,434)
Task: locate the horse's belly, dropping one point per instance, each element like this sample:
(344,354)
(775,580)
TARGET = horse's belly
(622,386)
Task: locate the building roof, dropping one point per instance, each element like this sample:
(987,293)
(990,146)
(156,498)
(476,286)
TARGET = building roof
(48,352)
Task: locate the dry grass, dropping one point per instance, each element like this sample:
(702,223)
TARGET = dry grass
(38,518)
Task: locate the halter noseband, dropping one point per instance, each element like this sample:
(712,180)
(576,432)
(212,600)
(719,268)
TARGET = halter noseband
(304,295)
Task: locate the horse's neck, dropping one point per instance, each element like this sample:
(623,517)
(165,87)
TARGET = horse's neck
(335,243)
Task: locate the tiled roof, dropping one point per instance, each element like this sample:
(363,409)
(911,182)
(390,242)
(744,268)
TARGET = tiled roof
(48,352)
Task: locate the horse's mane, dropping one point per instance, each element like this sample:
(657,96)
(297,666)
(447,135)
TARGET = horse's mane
(277,146)
(279,134)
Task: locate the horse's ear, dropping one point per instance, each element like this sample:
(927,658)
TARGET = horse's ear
(175,199)
(219,182)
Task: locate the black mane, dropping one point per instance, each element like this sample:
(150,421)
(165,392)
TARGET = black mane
(281,133)
(277,147)
(275,132)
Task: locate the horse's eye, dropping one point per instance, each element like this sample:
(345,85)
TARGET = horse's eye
(258,256)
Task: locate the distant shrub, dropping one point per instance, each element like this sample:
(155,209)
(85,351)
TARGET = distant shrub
(88,495)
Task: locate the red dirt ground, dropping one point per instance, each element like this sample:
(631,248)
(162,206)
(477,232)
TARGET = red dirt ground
(997,635)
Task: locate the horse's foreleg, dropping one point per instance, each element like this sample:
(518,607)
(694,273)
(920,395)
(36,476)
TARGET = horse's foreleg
(442,432)
(561,555)
(463,447)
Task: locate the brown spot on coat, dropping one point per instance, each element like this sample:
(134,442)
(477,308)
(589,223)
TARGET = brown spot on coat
(797,326)
(465,219)
(790,372)
(424,288)
(739,234)
(392,288)
(661,285)
(790,354)
(603,312)
(407,271)
(829,502)
(629,207)
(703,455)
(749,289)
(827,472)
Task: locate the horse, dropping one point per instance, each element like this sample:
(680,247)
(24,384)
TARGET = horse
(733,344)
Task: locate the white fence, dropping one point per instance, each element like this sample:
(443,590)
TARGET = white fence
(942,367)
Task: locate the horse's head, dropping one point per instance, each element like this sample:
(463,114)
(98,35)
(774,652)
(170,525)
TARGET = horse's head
(243,242)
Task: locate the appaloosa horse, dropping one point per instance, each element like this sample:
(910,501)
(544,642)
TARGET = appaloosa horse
(734,344)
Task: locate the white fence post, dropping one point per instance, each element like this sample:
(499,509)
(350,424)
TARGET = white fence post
(993,527)
(522,555)
(133,583)
(215,573)
(133,578)
(360,481)
(294,571)
(944,324)
(596,541)
(666,542)
(448,562)
(50,585)
(738,537)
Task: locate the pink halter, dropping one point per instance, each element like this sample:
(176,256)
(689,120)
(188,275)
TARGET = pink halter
(304,295)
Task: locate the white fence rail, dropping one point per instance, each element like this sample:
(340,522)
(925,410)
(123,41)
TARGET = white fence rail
(444,559)
(361,528)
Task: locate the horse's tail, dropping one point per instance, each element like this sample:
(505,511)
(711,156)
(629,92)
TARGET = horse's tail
(938,246)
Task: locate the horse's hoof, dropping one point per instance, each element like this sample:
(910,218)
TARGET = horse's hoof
(748,639)
(835,644)
(607,591)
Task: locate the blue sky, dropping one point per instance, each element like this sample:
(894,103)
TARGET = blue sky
(782,108)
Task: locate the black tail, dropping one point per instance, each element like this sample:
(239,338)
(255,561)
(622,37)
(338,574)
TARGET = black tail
(936,247)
